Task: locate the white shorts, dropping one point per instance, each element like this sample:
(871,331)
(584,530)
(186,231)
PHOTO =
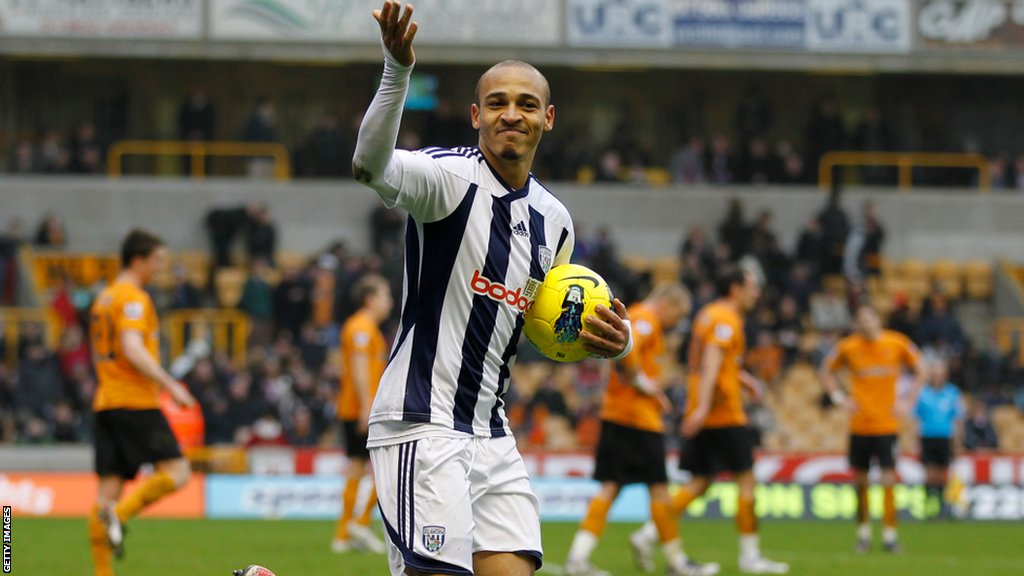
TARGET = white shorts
(442,499)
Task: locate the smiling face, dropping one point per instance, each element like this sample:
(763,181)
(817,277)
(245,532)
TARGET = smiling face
(512,111)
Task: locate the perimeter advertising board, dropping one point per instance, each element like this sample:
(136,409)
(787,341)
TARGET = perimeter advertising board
(454,22)
(157,19)
(982,24)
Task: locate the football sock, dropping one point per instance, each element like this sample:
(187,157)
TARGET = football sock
(367,515)
(889,518)
(348,506)
(673,550)
(750,546)
(597,515)
(583,545)
(888,535)
(864,531)
(746,520)
(862,504)
(98,543)
(664,521)
(154,488)
(649,531)
(680,500)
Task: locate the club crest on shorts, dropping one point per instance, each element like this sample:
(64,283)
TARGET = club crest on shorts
(433,538)
(544,254)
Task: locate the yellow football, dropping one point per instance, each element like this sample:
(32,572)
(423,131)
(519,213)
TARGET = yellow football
(554,321)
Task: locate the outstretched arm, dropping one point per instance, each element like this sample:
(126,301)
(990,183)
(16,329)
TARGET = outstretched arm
(378,133)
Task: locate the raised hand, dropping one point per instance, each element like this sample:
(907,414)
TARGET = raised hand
(397,31)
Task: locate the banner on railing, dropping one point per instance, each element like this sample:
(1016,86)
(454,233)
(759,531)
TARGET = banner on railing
(53,268)
(987,24)
(102,18)
(72,494)
(454,22)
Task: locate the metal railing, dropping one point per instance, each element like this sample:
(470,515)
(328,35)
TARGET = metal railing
(229,330)
(198,151)
(12,320)
(905,161)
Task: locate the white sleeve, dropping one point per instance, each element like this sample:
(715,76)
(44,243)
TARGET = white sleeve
(410,180)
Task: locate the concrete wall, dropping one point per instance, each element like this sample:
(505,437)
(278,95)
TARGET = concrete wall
(957,224)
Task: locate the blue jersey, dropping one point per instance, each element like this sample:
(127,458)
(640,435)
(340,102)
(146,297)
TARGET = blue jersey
(938,409)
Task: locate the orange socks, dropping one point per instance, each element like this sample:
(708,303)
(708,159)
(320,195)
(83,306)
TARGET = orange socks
(348,506)
(680,501)
(862,505)
(661,514)
(597,516)
(156,487)
(365,519)
(746,520)
(889,517)
(98,543)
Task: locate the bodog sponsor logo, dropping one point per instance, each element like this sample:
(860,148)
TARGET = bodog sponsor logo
(499,292)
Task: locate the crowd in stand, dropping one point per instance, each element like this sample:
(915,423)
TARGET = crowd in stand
(745,154)
(284,393)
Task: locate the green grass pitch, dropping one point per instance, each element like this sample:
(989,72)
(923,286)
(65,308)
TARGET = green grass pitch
(59,547)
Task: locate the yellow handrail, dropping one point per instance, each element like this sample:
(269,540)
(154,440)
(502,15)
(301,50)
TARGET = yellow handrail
(1006,328)
(11,320)
(198,151)
(905,161)
(230,330)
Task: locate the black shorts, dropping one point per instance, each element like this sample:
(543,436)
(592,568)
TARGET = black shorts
(864,448)
(936,451)
(715,450)
(627,455)
(355,442)
(127,439)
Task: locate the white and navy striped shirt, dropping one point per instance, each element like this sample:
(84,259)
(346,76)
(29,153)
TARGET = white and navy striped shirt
(476,250)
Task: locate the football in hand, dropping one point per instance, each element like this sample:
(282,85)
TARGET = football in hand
(567,296)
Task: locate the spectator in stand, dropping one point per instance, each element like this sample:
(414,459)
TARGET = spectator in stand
(301,432)
(40,385)
(1018,171)
(835,228)
(721,165)
(829,312)
(223,224)
(765,359)
(758,165)
(312,348)
(609,167)
(261,234)
(243,408)
(196,122)
(696,244)
(293,305)
(23,156)
(733,231)
(327,153)
(863,254)
(10,243)
(873,136)
(73,353)
(792,169)
(86,151)
(901,319)
(939,328)
(54,156)
(182,295)
(825,132)
(67,426)
(448,126)
(258,302)
(789,329)
(687,165)
(979,434)
(260,128)
(51,232)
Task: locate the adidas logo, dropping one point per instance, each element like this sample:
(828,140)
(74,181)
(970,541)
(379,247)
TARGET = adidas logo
(520,230)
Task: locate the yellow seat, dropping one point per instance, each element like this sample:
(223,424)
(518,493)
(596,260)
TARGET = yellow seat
(228,284)
(914,268)
(665,269)
(978,279)
(947,278)
(635,263)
